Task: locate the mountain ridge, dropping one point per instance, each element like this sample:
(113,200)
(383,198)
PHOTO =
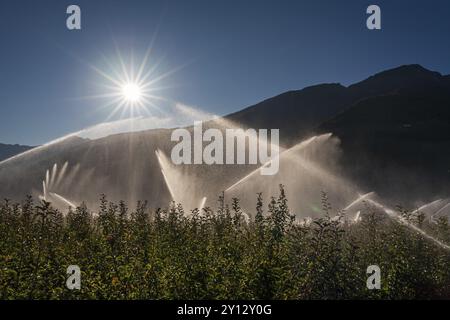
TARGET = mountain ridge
(381,122)
(10,150)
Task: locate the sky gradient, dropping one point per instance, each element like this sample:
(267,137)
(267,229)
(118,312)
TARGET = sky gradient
(227,54)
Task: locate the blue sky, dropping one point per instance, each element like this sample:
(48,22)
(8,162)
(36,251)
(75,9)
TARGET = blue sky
(227,54)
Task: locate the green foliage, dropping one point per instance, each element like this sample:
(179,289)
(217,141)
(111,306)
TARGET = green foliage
(216,254)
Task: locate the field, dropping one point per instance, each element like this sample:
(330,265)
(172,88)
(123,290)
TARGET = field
(218,253)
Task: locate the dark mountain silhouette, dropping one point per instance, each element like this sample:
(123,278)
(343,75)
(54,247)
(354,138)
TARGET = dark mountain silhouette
(393,126)
(406,77)
(297,113)
(10,150)
(399,143)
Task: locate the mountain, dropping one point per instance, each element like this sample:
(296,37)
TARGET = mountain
(407,77)
(398,142)
(393,129)
(296,113)
(307,108)
(9,150)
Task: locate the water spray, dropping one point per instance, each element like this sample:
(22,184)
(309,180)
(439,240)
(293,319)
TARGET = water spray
(297,147)
(391,213)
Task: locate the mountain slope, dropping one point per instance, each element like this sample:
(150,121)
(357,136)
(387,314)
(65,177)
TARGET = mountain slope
(298,112)
(399,142)
(406,77)
(295,113)
(8,150)
(393,127)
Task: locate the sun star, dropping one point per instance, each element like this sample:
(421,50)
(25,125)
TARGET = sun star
(131,89)
(132,92)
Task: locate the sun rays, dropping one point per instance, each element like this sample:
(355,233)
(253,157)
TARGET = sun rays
(128,89)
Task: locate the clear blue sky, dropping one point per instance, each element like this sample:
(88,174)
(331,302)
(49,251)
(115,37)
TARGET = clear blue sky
(234,53)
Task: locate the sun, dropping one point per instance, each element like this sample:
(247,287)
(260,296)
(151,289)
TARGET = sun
(132,92)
